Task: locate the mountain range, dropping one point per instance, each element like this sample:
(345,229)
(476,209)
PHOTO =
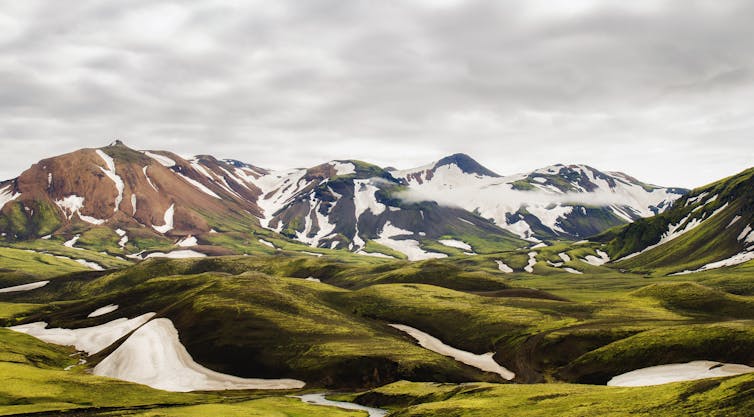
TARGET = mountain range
(131,203)
(530,290)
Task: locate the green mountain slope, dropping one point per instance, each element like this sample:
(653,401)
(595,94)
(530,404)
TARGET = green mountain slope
(711,224)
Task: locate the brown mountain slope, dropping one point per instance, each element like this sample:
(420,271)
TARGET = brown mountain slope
(119,187)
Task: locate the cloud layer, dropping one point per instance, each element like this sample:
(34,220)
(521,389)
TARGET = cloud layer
(659,89)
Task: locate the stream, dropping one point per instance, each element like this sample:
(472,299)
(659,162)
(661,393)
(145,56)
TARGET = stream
(319,399)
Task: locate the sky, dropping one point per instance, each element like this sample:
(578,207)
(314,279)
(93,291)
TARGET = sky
(661,90)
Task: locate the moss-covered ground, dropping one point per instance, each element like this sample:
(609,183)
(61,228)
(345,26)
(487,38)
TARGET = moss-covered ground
(259,316)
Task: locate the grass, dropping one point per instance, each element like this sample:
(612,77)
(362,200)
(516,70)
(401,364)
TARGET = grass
(263,407)
(19,266)
(714,397)
(55,246)
(438,311)
(256,316)
(672,344)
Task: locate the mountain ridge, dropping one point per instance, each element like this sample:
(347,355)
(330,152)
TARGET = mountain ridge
(421,213)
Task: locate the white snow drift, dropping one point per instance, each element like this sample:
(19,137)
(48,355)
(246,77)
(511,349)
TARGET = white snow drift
(177,254)
(663,374)
(408,247)
(25,287)
(88,339)
(103,310)
(153,355)
(530,264)
(168,218)
(110,172)
(483,362)
(458,244)
(594,260)
(503,267)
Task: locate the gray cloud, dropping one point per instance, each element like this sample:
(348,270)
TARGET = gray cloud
(659,89)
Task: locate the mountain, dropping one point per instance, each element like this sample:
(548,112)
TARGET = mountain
(559,201)
(133,199)
(709,228)
(357,206)
(140,203)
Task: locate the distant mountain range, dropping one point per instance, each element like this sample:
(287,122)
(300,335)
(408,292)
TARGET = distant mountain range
(151,199)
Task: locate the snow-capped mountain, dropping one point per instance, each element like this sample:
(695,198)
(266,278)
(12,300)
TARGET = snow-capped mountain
(566,201)
(352,205)
(453,206)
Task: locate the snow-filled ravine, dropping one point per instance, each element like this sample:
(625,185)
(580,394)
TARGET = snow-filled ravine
(663,374)
(319,399)
(485,362)
(153,355)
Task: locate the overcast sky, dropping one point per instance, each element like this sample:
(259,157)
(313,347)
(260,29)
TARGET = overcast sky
(662,90)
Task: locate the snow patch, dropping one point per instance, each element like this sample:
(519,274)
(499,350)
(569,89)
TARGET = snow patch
(503,267)
(343,168)
(735,219)
(25,287)
(456,244)
(573,271)
(72,241)
(177,254)
(483,362)
(408,247)
(663,374)
(110,172)
(103,310)
(594,260)
(532,261)
(88,339)
(89,264)
(123,237)
(266,243)
(149,180)
(374,254)
(736,259)
(153,355)
(745,233)
(203,188)
(163,160)
(187,242)
(168,219)
(70,205)
(564,256)
(199,168)
(694,200)
(90,219)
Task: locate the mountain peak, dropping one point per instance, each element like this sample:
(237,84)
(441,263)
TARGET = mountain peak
(117,142)
(466,164)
